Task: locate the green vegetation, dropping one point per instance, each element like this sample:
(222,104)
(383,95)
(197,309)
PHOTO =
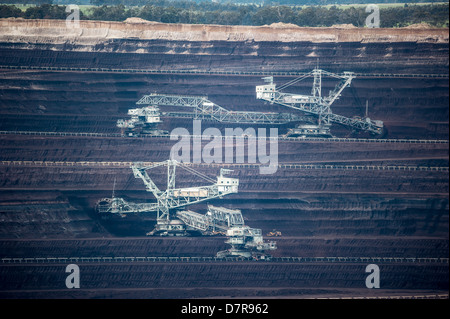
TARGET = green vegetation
(183,11)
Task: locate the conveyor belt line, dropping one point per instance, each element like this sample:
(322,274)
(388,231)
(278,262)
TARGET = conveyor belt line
(64,260)
(221,73)
(298,139)
(234,166)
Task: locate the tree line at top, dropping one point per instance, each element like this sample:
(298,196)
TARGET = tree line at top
(174,2)
(208,12)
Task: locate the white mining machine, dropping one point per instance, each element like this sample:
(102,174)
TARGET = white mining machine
(314,110)
(245,241)
(316,104)
(143,121)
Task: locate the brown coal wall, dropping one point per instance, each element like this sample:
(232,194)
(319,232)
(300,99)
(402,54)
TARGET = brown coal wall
(233,275)
(47,210)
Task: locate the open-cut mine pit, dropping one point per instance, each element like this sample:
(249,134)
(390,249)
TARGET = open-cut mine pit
(353,199)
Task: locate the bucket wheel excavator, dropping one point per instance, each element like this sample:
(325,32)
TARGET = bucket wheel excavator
(312,111)
(316,104)
(173,220)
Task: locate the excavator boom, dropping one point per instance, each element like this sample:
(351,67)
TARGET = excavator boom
(315,103)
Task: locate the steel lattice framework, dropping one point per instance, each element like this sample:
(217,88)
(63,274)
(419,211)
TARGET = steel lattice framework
(204,109)
(217,219)
(172,197)
(315,103)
